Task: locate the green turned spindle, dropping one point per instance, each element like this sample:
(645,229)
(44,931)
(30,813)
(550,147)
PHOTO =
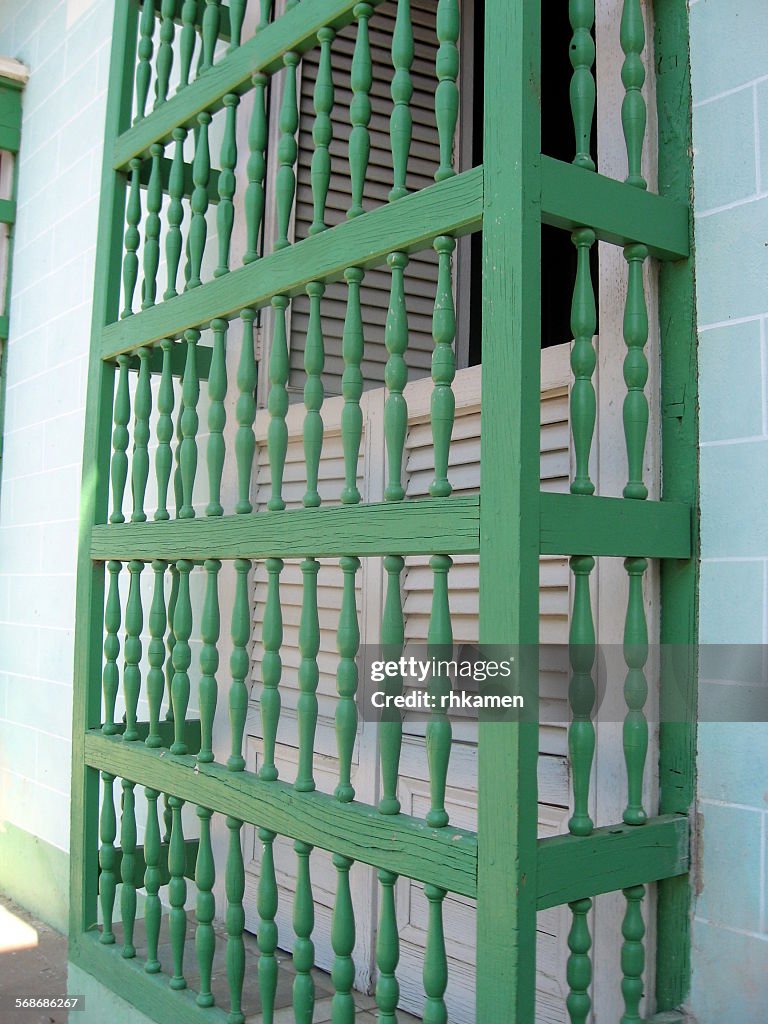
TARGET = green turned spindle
(287,151)
(181,658)
(156,655)
(582,90)
(177,893)
(225,215)
(635,692)
(164,61)
(128,867)
(447,93)
(309,674)
(245,439)
(236,18)
(360,110)
(217,417)
(265,10)
(271,669)
(633,954)
(435,959)
(387,951)
(266,905)
(347,644)
(198,227)
(343,942)
(401,120)
(443,403)
(633,114)
(134,622)
(163,454)
(579,971)
(107,858)
(167,819)
(209,659)
(583,361)
(170,642)
(439,732)
(120,438)
(277,403)
(303,947)
(142,407)
(190,394)
(314,362)
(395,378)
(188,38)
(635,371)
(111,675)
(234,885)
(391,724)
(152,228)
(132,237)
(178,487)
(581,694)
(322,131)
(205,908)
(144,63)
(173,242)
(352,385)
(256,168)
(210,33)
(152,878)
(239,664)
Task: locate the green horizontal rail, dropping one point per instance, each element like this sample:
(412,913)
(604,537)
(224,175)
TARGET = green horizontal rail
(149,993)
(572,197)
(578,524)
(569,524)
(399,843)
(295,30)
(450,207)
(612,858)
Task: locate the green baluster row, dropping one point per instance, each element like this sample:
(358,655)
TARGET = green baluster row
(401,120)
(348,642)
(322,132)
(225,215)
(439,733)
(343,942)
(128,866)
(314,362)
(303,947)
(396,377)
(391,725)
(360,109)
(447,94)
(256,168)
(309,645)
(583,91)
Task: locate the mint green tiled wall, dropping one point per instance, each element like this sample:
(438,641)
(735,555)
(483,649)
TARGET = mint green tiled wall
(729,64)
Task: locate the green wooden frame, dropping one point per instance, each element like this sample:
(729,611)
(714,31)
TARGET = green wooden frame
(511,873)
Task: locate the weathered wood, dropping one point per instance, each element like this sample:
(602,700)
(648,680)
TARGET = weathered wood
(445,856)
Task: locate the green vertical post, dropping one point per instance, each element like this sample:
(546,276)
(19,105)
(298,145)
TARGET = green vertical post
(509,513)
(84,835)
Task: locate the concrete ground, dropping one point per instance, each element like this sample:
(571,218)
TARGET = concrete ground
(33,962)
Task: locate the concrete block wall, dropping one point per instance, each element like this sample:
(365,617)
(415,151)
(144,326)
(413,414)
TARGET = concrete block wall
(729,61)
(65,43)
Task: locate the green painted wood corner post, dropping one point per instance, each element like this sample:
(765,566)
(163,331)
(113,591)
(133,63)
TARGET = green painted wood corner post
(181,77)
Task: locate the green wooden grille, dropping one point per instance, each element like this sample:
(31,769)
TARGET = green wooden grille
(179,73)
